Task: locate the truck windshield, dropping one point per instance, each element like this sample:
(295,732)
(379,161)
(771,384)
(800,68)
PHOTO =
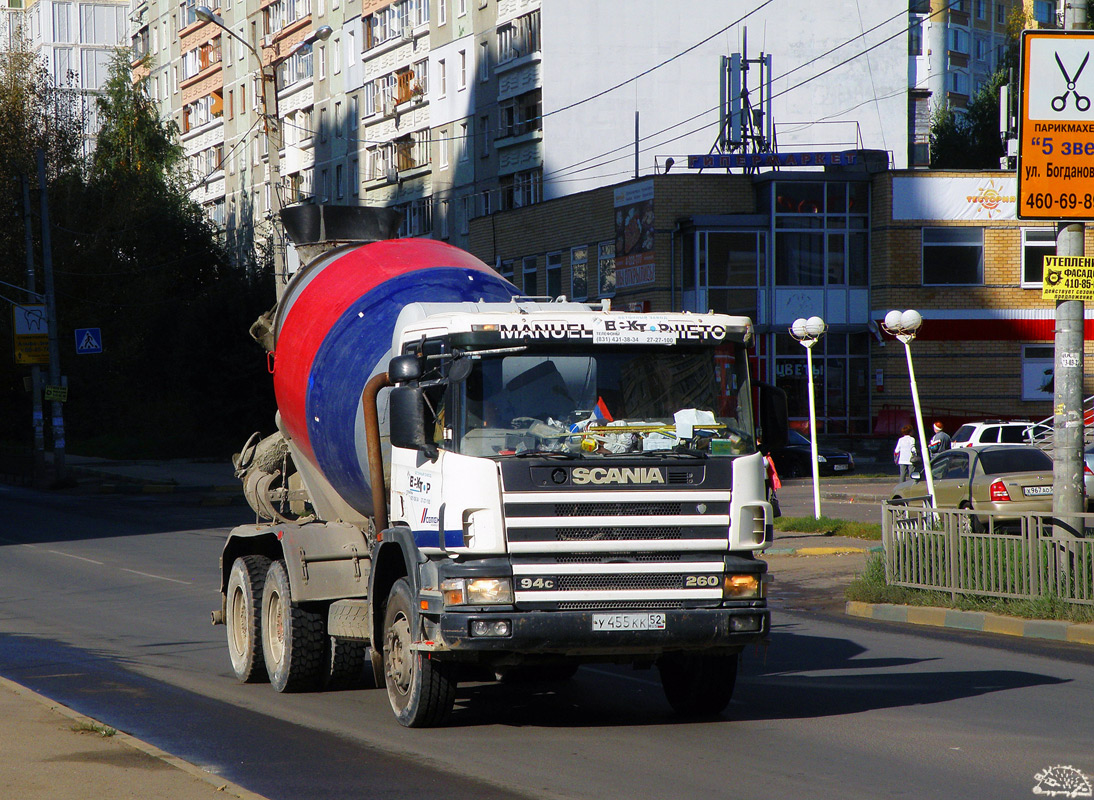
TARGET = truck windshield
(606,401)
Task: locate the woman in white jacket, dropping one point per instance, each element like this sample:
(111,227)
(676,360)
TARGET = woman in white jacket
(904,452)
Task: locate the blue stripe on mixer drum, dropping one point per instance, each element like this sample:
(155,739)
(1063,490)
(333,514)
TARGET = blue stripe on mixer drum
(353,348)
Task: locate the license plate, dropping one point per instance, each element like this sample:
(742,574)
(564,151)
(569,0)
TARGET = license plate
(1035,491)
(838,467)
(628,622)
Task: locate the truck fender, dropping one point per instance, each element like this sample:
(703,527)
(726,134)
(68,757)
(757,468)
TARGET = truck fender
(248,540)
(396,556)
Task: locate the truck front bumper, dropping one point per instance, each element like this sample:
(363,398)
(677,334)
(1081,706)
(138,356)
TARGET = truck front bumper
(572,633)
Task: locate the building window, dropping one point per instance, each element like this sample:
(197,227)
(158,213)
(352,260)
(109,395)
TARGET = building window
(1036,244)
(953,256)
(554,274)
(354,177)
(505,269)
(981,9)
(1044,11)
(521,114)
(461,7)
(442,78)
(442,12)
(605,268)
(1038,367)
(579,273)
(1000,14)
(528,267)
(442,213)
(461,77)
(442,147)
(338,186)
(915,36)
(484,138)
(465,142)
(959,82)
(484,62)
(959,40)
(519,38)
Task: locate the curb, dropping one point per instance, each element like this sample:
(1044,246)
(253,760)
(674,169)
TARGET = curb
(980,621)
(219,784)
(819,551)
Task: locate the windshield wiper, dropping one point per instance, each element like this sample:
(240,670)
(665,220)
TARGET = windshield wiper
(676,452)
(546,454)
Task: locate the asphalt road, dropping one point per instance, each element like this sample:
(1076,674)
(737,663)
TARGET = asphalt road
(104,605)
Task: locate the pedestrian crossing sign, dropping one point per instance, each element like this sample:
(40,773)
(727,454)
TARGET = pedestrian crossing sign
(89,340)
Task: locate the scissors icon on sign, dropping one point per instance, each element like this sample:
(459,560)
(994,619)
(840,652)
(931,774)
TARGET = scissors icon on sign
(1082,102)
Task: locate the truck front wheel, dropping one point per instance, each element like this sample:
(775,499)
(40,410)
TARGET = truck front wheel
(244,617)
(698,685)
(293,638)
(420,689)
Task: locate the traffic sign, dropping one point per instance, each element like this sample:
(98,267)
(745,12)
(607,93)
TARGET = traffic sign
(31,334)
(56,393)
(88,341)
(1056,126)
(1068,278)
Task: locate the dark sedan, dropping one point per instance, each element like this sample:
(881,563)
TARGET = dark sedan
(794,459)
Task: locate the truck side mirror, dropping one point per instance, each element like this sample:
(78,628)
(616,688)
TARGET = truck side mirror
(773,416)
(406,412)
(403,369)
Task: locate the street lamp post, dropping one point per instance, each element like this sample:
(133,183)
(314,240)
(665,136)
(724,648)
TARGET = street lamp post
(808,332)
(271,126)
(904,325)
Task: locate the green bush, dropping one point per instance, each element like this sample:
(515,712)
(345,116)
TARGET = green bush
(830,527)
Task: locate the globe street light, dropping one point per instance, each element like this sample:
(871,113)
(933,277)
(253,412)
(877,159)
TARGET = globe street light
(904,325)
(271,123)
(808,332)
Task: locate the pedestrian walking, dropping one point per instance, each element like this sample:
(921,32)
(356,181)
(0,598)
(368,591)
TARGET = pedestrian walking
(904,452)
(940,442)
(773,486)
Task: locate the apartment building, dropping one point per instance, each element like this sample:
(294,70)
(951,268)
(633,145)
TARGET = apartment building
(75,40)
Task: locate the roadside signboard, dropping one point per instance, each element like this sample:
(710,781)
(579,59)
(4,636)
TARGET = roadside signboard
(58,393)
(89,341)
(31,334)
(1068,278)
(1056,126)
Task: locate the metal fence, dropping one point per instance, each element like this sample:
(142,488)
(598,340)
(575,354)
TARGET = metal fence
(948,550)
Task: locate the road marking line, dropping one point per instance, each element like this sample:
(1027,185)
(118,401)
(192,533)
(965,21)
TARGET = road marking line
(70,555)
(157,577)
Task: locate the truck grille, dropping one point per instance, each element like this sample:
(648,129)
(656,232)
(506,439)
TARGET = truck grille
(617,534)
(608,549)
(617,509)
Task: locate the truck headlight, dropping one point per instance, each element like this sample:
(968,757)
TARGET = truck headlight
(742,587)
(477,591)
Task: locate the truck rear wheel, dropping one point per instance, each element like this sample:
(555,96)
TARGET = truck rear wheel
(244,617)
(346,663)
(293,639)
(420,689)
(698,686)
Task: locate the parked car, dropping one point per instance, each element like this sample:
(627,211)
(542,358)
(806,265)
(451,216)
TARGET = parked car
(795,458)
(996,431)
(1008,479)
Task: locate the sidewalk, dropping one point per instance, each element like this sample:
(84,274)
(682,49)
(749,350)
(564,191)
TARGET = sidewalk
(50,752)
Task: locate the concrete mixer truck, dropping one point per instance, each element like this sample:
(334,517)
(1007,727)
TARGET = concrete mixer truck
(468,484)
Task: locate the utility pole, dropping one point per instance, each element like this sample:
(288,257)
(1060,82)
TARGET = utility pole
(57,417)
(1067,472)
(37,419)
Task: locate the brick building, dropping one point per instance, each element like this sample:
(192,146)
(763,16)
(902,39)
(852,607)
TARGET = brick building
(848,244)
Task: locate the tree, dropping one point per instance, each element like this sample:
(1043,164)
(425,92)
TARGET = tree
(134,144)
(969,140)
(134,255)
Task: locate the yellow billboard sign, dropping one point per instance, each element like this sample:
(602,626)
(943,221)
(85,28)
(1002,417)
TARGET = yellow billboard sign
(1068,278)
(31,334)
